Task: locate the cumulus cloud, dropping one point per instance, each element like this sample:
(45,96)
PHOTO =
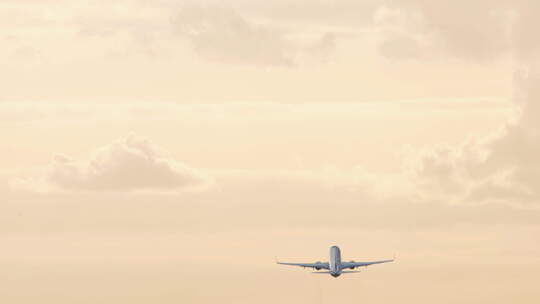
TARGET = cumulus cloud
(128,164)
(499,168)
(503,167)
(516,152)
(223,35)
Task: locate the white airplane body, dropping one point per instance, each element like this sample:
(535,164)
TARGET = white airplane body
(335,266)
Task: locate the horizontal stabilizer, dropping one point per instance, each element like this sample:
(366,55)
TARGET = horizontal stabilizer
(327,272)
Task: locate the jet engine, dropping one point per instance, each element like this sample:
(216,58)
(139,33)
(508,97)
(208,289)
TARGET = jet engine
(353,266)
(317,268)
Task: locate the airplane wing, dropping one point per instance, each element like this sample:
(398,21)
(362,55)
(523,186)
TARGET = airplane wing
(352,265)
(317,265)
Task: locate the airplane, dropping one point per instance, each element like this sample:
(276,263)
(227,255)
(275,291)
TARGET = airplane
(335,266)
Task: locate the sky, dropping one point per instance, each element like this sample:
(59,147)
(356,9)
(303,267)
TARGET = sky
(170,151)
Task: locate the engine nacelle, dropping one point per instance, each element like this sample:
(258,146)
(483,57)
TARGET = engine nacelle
(317,268)
(353,266)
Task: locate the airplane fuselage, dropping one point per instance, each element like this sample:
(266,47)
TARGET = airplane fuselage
(335,261)
(334,265)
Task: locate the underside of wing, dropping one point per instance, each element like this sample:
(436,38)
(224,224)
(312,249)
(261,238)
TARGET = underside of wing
(352,265)
(317,265)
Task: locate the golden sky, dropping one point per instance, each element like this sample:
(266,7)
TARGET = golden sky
(167,151)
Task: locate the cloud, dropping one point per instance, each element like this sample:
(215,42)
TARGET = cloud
(399,46)
(128,164)
(223,35)
(322,49)
(474,32)
(400,34)
(502,167)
